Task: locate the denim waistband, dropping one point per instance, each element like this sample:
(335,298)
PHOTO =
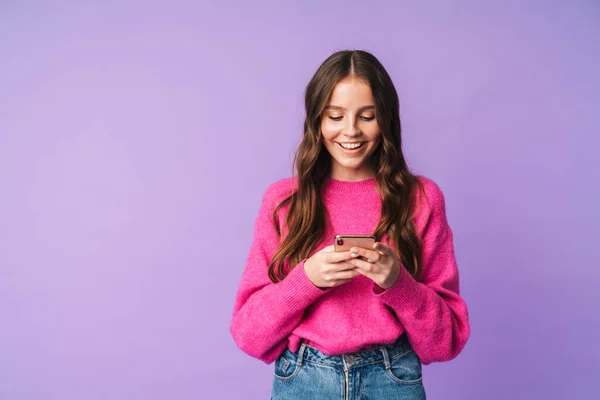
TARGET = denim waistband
(355,359)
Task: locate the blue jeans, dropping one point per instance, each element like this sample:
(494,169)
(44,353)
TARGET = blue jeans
(386,372)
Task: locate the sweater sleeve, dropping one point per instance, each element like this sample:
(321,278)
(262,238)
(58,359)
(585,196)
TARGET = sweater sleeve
(265,313)
(431,310)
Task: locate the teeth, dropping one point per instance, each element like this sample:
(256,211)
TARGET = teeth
(350,145)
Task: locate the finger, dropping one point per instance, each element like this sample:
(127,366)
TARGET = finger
(345,275)
(370,255)
(337,267)
(341,282)
(363,273)
(328,249)
(336,257)
(383,248)
(364,266)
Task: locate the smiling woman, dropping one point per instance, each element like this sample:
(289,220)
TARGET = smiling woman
(361,321)
(350,131)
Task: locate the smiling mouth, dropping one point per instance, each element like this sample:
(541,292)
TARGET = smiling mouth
(351,146)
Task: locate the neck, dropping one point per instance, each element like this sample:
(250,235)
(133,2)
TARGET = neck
(351,175)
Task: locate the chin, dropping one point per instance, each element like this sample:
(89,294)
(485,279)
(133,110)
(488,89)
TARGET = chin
(351,165)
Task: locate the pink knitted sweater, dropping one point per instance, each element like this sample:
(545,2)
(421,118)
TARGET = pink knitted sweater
(269,316)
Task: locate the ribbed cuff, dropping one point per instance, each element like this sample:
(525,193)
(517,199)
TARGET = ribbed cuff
(405,294)
(298,292)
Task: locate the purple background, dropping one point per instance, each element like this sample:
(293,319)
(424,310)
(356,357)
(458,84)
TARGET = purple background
(137,138)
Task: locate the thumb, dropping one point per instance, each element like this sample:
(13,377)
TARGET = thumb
(328,249)
(383,248)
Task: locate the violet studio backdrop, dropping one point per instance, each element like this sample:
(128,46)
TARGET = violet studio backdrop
(137,138)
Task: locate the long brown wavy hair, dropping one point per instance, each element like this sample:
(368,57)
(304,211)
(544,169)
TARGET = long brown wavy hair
(307,216)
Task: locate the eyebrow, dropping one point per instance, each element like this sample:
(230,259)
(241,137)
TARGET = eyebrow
(363,108)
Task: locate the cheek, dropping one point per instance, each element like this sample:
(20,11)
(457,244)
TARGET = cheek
(328,130)
(371,131)
(377,136)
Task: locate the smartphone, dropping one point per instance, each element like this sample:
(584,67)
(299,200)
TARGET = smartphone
(346,242)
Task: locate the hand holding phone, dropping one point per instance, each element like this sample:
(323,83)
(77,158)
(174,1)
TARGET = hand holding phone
(328,268)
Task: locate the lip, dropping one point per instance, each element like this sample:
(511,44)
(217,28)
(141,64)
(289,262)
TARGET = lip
(352,151)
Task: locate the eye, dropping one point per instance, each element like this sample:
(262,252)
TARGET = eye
(368,118)
(335,118)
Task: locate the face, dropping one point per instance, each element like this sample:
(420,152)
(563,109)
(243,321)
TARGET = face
(350,130)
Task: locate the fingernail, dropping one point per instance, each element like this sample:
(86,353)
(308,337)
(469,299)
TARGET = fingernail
(354,254)
(354,250)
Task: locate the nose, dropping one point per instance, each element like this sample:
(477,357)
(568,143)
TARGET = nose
(351,128)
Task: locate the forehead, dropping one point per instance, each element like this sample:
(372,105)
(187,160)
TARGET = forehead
(351,93)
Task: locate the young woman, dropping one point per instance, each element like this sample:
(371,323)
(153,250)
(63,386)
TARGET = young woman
(356,324)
